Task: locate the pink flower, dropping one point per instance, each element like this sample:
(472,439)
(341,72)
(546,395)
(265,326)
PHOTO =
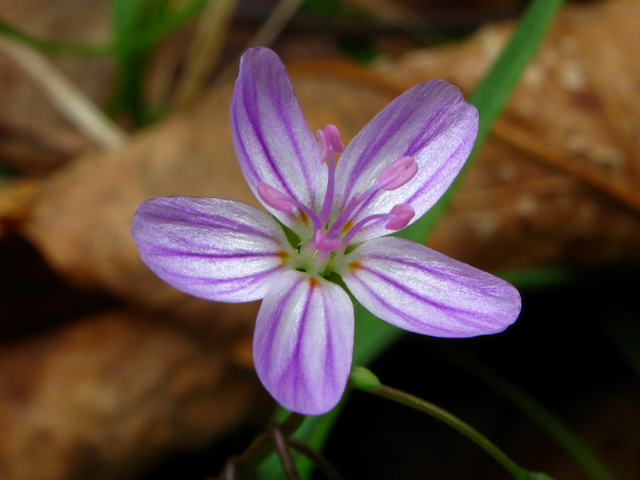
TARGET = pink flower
(392,172)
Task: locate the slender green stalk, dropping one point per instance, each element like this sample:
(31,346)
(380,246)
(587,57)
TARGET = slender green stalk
(467,430)
(454,422)
(534,409)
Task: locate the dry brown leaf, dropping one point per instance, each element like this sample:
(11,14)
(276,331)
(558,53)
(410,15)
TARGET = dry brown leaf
(110,395)
(35,136)
(559,180)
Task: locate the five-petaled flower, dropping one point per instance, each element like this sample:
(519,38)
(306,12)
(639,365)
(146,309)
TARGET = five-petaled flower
(390,174)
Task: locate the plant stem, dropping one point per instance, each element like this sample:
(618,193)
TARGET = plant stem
(282,449)
(318,459)
(261,447)
(454,422)
(538,412)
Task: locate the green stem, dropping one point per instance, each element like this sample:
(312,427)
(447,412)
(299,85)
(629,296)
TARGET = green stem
(444,416)
(572,444)
(365,380)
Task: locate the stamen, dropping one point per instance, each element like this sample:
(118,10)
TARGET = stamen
(401,216)
(333,137)
(359,200)
(342,219)
(351,233)
(325,211)
(284,203)
(329,142)
(275,198)
(398,173)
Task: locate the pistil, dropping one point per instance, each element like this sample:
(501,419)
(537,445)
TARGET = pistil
(284,203)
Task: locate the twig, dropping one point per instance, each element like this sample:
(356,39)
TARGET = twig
(268,32)
(205,50)
(282,449)
(71,102)
(626,195)
(280,16)
(391,13)
(318,459)
(261,447)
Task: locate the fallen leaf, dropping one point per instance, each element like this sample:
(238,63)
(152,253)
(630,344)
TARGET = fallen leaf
(110,395)
(35,137)
(559,180)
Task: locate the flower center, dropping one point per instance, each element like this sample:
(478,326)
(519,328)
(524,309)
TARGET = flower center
(333,237)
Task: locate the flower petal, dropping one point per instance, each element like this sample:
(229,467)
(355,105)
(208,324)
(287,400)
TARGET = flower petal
(430,122)
(215,249)
(303,343)
(273,143)
(423,291)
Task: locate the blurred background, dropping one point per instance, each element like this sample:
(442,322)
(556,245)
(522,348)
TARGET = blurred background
(108,373)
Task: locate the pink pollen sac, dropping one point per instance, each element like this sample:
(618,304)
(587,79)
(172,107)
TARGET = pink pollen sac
(323,244)
(401,216)
(405,168)
(329,141)
(274,198)
(333,137)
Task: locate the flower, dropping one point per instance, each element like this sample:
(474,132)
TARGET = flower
(390,174)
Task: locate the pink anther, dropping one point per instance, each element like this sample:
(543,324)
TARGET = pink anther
(401,216)
(333,138)
(329,142)
(275,198)
(402,170)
